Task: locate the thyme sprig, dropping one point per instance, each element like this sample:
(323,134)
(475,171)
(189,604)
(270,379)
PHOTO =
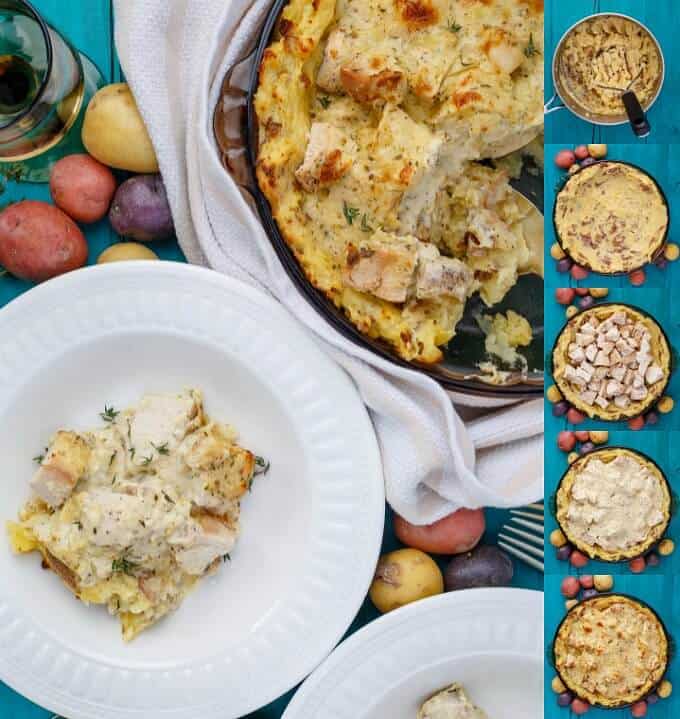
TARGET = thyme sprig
(109,414)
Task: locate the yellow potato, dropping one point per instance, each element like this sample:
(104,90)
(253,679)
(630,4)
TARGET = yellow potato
(126,251)
(114,132)
(405,576)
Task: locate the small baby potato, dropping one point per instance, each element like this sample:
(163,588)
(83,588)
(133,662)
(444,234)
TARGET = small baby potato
(123,251)
(82,187)
(456,533)
(405,576)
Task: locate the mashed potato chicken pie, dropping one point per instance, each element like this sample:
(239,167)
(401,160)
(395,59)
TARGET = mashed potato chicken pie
(613,504)
(372,115)
(611,650)
(450,703)
(133,513)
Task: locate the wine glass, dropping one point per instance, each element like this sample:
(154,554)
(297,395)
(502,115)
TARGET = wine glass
(45,84)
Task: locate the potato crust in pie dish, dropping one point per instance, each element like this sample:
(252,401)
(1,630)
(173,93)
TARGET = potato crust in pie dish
(611,362)
(611,217)
(613,504)
(604,56)
(133,513)
(611,650)
(372,115)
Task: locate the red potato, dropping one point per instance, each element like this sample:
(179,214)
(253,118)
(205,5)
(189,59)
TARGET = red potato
(459,532)
(82,187)
(39,241)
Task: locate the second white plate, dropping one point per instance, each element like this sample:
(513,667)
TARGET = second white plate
(311,528)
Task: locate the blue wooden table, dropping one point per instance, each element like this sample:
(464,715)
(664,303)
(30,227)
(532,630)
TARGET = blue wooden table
(663,19)
(664,449)
(657,302)
(662,163)
(88,24)
(662,593)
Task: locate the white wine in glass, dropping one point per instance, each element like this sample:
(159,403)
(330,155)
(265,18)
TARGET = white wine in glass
(45,85)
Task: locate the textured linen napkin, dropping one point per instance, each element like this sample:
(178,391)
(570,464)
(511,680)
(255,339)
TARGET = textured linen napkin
(174,55)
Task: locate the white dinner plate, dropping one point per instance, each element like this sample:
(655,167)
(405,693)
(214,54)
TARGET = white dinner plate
(488,640)
(311,528)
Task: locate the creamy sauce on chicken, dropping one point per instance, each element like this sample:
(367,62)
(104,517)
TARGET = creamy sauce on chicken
(132,513)
(450,703)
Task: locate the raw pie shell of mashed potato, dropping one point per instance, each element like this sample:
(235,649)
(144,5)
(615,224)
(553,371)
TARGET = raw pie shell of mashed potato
(602,57)
(611,218)
(611,651)
(371,116)
(659,347)
(617,512)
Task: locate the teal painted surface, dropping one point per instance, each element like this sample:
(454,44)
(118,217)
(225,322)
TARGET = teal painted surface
(661,162)
(661,17)
(88,24)
(663,448)
(662,593)
(659,303)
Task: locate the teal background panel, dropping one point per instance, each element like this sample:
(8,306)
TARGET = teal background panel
(660,304)
(662,162)
(663,448)
(88,24)
(662,593)
(662,18)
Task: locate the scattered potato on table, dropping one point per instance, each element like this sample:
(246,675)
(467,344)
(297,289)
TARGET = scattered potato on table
(405,576)
(456,533)
(82,187)
(140,209)
(123,251)
(114,132)
(484,566)
(39,241)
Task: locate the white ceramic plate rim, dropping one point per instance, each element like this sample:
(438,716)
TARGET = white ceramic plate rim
(340,681)
(154,295)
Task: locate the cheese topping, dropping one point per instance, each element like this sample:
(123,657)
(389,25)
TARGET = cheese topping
(615,505)
(450,703)
(611,217)
(605,56)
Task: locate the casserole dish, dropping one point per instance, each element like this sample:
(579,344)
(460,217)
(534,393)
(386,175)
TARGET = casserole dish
(236,131)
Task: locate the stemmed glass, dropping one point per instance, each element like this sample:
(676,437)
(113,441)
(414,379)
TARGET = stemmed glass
(45,84)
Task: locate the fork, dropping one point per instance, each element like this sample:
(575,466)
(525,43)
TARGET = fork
(523,536)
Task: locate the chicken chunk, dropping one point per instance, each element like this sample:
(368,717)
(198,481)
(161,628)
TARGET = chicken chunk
(438,275)
(486,231)
(329,156)
(338,52)
(504,51)
(201,542)
(62,468)
(371,80)
(451,703)
(382,265)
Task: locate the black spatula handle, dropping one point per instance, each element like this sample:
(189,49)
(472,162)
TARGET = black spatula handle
(636,115)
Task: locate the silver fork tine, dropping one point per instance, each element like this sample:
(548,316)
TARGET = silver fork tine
(534,551)
(525,535)
(535,505)
(528,515)
(535,526)
(521,555)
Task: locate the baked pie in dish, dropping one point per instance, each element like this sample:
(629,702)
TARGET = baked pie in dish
(373,116)
(611,650)
(612,362)
(613,504)
(611,217)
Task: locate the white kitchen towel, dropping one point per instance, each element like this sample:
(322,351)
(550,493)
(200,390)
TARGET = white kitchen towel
(174,54)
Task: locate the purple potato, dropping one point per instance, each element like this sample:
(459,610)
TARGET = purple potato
(563,553)
(586,448)
(653,559)
(564,265)
(484,566)
(560,408)
(564,699)
(589,593)
(140,209)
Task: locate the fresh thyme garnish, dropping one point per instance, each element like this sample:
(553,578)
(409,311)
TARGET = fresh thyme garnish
(109,414)
(365,227)
(79,525)
(226,557)
(530,50)
(324,101)
(261,466)
(129,432)
(453,26)
(161,449)
(38,459)
(132,452)
(123,566)
(350,213)
(143,523)
(146,461)
(168,498)
(113,456)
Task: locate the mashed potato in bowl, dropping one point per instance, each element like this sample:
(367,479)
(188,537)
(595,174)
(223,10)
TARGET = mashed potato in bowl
(372,116)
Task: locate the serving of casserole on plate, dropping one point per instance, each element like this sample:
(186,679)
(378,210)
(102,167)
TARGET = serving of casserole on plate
(612,361)
(371,122)
(611,650)
(613,504)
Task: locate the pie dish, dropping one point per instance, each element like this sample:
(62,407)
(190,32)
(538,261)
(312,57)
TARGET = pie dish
(612,361)
(613,504)
(350,157)
(611,650)
(611,217)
